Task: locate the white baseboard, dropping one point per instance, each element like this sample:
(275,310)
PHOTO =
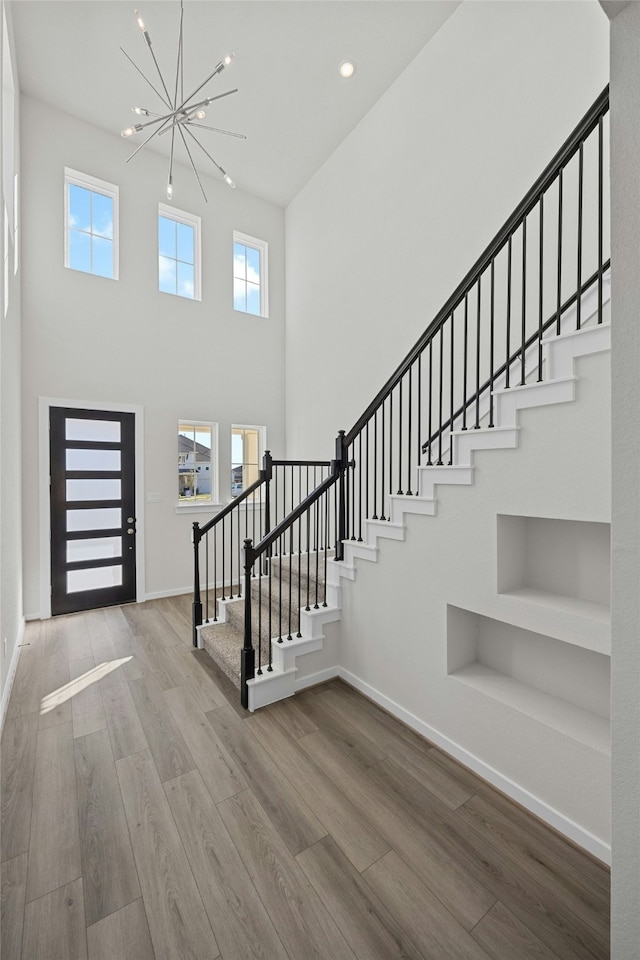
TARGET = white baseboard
(13,666)
(594,845)
(160,594)
(321,676)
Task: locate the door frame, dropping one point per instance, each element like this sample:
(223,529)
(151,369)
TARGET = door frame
(44,406)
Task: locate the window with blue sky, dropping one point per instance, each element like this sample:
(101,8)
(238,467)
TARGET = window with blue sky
(91,213)
(178,253)
(250,275)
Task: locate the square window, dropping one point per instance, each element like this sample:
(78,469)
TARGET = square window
(178,253)
(250,275)
(91,225)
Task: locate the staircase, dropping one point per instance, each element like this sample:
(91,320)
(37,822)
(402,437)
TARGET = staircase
(507,339)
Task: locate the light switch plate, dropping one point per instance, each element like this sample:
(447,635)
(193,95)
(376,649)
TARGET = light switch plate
(154,498)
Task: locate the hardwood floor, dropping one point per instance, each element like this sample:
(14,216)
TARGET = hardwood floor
(145,815)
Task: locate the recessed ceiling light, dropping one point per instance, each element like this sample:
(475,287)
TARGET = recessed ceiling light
(347,69)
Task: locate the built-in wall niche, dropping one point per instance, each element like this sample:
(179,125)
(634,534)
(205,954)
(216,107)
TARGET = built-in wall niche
(555,560)
(559,684)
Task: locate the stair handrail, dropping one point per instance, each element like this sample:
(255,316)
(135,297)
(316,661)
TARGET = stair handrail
(586,125)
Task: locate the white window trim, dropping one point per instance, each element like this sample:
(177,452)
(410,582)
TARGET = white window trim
(263,248)
(262,443)
(185,506)
(97,186)
(191,220)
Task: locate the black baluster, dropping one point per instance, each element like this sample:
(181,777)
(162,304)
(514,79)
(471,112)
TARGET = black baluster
(359,489)
(464,361)
(508,347)
(382,471)
(366,486)
(579,279)
(523,375)
(440,391)
(399,437)
(206,576)
(451,394)
(600,214)
(476,425)
(299,634)
(224,589)
(375,465)
(491,340)
(540,288)
(289,637)
(430,401)
(419,459)
(409,434)
(559,289)
(215,575)
(391,441)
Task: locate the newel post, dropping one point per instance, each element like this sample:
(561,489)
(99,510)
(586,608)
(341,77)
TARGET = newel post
(248,656)
(196,606)
(341,464)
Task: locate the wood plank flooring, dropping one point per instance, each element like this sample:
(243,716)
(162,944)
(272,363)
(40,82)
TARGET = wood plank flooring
(145,816)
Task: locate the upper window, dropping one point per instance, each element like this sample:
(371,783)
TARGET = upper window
(250,274)
(178,252)
(91,224)
(247,448)
(197,462)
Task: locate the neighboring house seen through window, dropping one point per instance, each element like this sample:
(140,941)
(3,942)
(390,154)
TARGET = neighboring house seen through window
(91,224)
(250,275)
(197,462)
(178,252)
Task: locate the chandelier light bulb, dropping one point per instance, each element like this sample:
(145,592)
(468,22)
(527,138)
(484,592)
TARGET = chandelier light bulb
(170,189)
(128,132)
(227,179)
(140,20)
(140,111)
(200,114)
(227,60)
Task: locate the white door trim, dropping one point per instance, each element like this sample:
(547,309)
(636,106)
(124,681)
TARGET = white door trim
(44,405)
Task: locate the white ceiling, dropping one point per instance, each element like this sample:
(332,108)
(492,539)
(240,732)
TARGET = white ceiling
(292,105)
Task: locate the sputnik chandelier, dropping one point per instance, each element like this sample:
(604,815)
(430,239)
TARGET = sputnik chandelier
(181,115)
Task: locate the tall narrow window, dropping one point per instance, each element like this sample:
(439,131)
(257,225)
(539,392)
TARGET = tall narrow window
(197,462)
(247,448)
(91,225)
(250,275)
(178,252)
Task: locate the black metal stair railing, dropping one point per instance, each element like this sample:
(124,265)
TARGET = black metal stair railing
(489,334)
(530,281)
(217,557)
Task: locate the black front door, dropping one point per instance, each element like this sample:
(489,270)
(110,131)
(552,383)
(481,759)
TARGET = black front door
(93,542)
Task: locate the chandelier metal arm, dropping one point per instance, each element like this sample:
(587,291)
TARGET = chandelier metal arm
(145,77)
(144,143)
(204,126)
(215,163)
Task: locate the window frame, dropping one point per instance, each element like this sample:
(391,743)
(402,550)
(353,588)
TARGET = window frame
(213,500)
(262,446)
(95,185)
(262,247)
(190,220)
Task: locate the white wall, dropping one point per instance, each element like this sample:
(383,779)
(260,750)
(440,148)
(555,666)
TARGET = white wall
(625,533)
(11,618)
(90,339)
(400,642)
(382,235)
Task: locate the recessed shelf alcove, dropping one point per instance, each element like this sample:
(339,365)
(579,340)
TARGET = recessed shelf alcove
(559,684)
(563,565)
